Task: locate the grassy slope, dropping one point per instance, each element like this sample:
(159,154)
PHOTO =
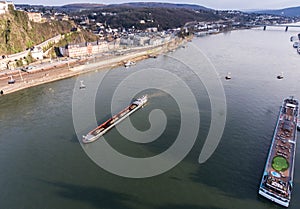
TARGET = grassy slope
(18,33)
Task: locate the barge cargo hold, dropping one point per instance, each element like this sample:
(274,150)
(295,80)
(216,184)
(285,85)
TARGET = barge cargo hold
(110,123)
(277,180)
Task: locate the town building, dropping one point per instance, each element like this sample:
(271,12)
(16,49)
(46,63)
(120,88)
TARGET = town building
(47,17)
(35,16)
(61,17)
(89,48)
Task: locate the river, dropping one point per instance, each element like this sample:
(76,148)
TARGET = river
(43,165)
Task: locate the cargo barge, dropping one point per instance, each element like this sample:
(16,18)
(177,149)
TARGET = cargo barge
(277,180)
(96,133)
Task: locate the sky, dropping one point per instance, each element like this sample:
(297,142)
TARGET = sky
(214,4)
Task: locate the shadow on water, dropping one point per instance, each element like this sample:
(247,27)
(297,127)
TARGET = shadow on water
(94,196)
(234,183)
(74,139)
(237,165)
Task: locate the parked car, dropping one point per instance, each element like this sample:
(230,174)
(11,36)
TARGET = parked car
(29,67)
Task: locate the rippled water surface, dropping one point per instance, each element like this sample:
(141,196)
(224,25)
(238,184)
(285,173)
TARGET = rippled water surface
(44,166)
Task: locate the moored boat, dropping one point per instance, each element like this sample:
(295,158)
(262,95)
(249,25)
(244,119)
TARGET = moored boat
(110,123)
(277,180)
(280,76)
(152,56)
(129,63)
(11,80)
(296,44)
(82,86)
(298,49)
(228,76)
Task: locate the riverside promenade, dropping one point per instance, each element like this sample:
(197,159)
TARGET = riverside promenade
(50,71)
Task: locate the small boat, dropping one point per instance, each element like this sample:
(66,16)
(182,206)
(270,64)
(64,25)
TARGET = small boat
(82,86)
(129,63)
(295,38)
(152,56)
(11,80)
(228,76)
(280,76)
(296,44)
(116,119)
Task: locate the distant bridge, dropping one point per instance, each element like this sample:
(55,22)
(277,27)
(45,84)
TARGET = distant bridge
(275,25)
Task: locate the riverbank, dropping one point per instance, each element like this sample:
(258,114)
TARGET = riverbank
(51,72)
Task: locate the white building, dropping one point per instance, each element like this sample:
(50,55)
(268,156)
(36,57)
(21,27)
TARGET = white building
(4,6)
(153,29)
(37,53)
(141,41)
(84,49)
(3,65)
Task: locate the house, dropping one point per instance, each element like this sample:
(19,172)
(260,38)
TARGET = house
(35,16)
(47,17)
(153,29)
(61,17)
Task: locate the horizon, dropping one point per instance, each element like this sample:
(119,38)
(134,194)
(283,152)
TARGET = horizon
(217,4)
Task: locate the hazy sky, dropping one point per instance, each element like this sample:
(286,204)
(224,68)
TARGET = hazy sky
(215,4)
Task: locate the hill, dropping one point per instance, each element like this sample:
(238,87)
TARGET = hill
(18,33)
(163,18)
(289,12)
(160,5)
(79,7)
(82,7)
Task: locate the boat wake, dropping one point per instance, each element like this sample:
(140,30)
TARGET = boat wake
(157,94)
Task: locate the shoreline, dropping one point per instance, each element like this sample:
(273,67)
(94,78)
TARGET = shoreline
(64,70)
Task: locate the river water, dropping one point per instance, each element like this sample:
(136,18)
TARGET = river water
(43,165)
